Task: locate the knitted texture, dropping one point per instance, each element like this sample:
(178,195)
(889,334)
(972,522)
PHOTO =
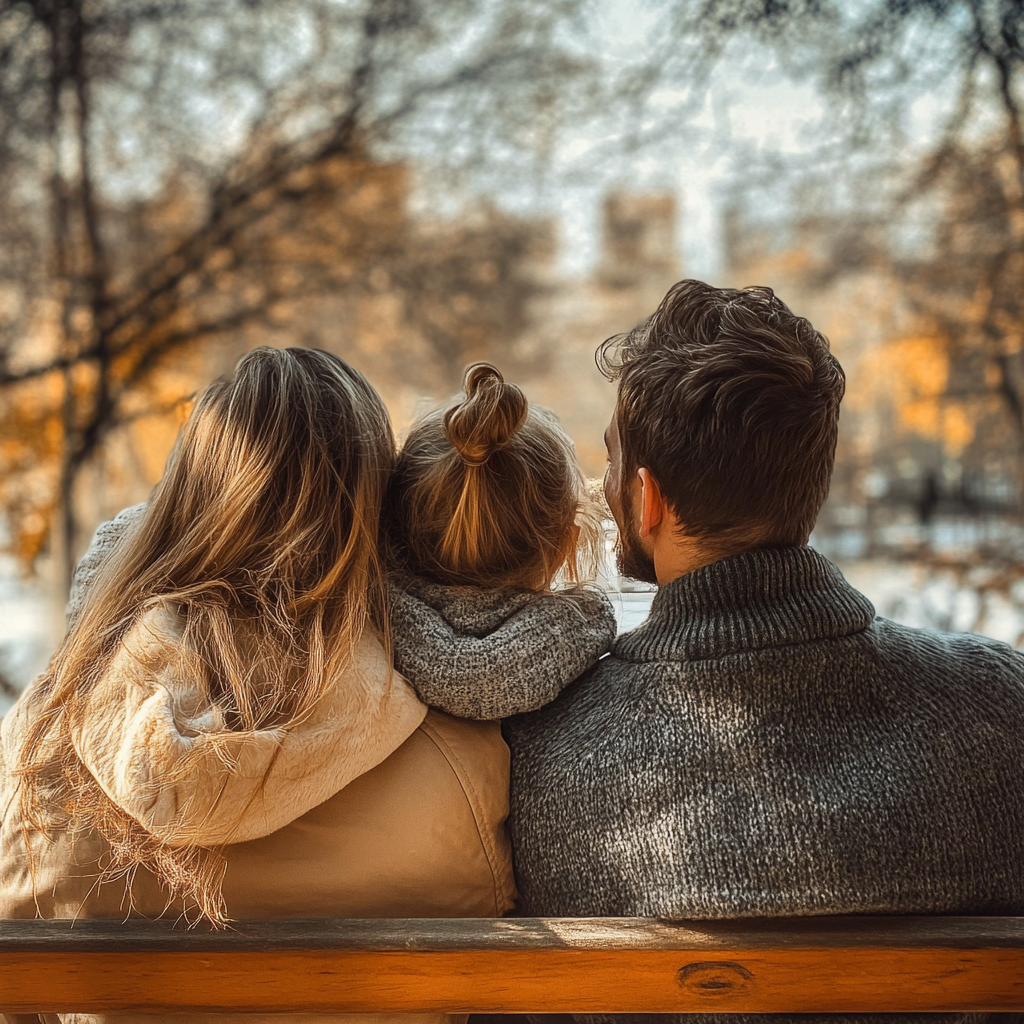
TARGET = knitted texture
(470,652)
(764,746)
(491,653)
(104,541)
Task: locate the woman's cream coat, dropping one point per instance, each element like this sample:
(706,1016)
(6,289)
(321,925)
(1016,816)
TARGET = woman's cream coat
(372,806)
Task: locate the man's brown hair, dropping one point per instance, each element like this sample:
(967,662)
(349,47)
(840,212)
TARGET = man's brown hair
(732,403)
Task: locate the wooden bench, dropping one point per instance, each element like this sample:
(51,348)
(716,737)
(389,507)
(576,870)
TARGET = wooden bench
(515,965)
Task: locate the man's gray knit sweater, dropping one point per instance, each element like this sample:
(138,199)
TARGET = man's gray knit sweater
(763,745)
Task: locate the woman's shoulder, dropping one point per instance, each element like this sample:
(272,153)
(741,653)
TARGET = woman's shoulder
(479,758)
(466,741)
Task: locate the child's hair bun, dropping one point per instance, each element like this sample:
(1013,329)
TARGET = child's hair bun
(488,418)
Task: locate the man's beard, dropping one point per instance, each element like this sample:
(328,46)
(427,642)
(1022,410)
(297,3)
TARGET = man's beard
(630,557)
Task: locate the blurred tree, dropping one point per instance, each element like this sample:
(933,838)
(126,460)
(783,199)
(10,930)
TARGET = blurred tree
(950,225)
(469,285)
(963,280)
(178,172)
(916,177)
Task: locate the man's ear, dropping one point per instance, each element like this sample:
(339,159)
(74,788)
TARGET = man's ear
(653,509)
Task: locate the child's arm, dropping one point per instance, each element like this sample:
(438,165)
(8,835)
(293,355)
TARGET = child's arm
(521,666)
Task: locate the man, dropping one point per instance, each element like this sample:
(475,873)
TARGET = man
(762,745)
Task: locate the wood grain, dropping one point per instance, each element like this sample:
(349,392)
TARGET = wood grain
(524,965)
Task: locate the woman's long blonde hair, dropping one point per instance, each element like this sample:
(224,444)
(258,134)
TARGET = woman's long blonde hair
(487,492)
(264,533)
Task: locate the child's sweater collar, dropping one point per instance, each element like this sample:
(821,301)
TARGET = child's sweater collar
(474,611)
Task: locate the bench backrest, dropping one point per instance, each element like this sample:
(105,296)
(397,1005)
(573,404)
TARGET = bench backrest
(514,965)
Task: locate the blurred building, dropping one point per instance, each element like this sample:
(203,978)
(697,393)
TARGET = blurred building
(638,263)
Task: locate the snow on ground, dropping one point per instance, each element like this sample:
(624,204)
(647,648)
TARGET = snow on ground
(25,629)
(915,596)
(903,591)
(631,607)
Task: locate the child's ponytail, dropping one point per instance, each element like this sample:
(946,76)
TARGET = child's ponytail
(481,425)
(487,419)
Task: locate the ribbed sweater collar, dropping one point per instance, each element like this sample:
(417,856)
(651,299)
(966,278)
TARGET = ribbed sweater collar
(765,598)
(477,611)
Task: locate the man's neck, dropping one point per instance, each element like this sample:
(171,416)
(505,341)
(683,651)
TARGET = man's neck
(676,554)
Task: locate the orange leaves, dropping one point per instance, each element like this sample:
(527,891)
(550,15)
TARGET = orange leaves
(914,372)
(30,445)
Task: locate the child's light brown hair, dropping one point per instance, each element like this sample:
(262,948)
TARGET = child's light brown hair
(487,492)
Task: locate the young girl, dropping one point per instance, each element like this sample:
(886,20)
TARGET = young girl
(486,507)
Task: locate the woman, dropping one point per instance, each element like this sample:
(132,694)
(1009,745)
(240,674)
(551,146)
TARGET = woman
(221,732)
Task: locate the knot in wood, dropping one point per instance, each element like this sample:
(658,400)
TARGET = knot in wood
(715,978)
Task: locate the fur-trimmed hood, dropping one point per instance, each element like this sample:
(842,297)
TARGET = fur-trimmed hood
(164,755)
